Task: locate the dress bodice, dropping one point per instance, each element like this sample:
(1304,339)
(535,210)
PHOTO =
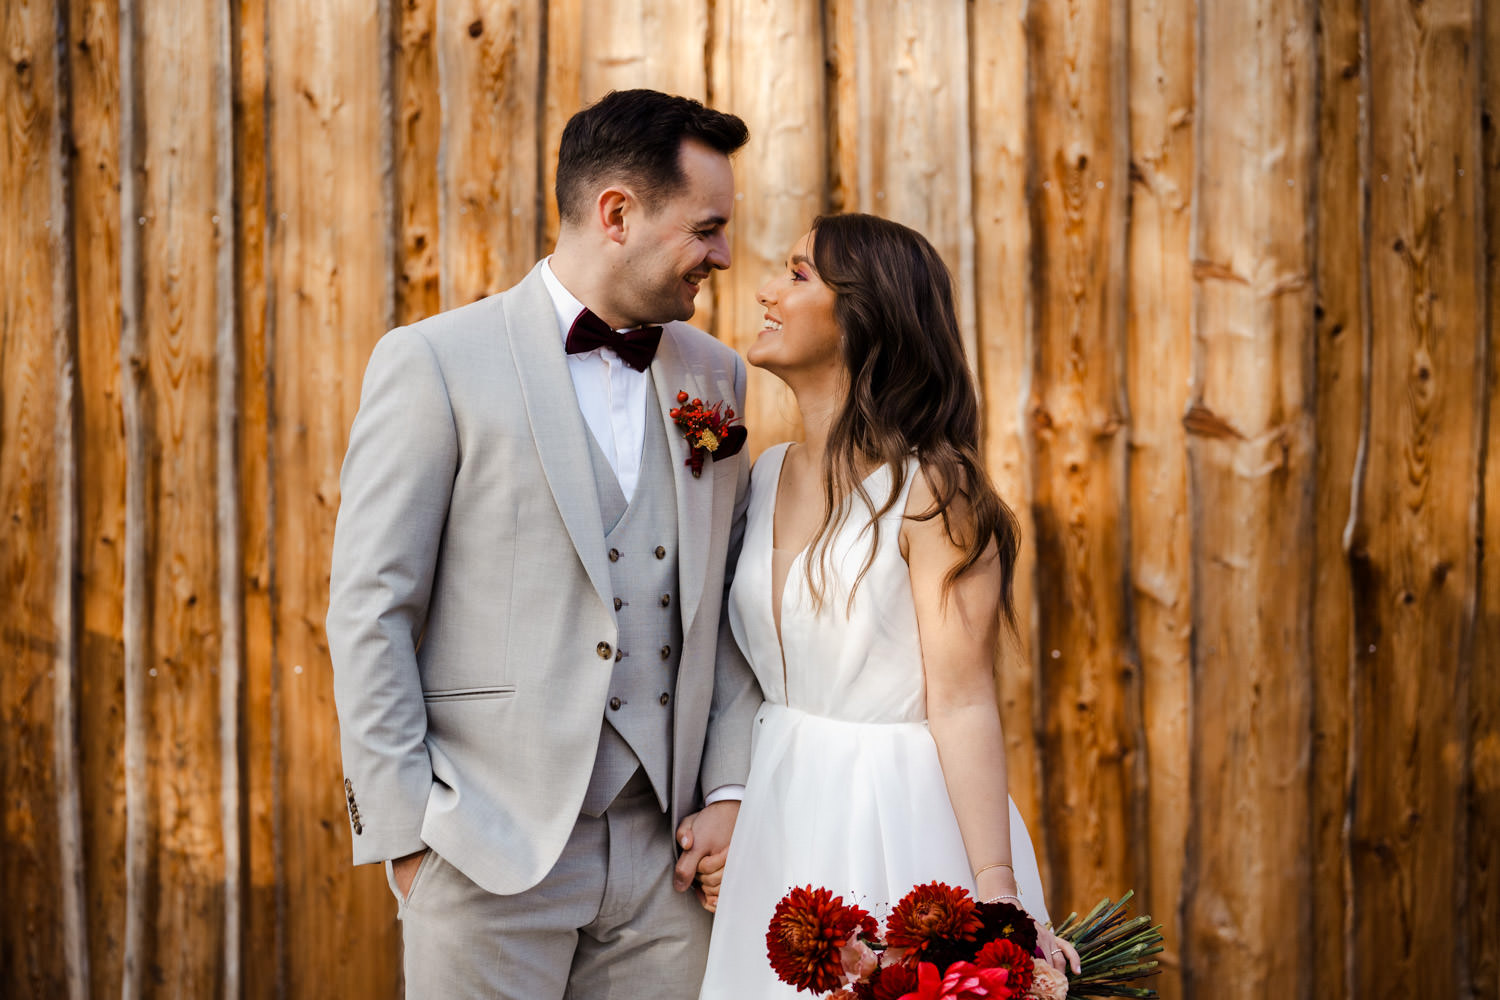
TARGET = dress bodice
(859,661)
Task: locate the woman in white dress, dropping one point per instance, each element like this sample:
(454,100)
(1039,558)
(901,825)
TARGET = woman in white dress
(873,579)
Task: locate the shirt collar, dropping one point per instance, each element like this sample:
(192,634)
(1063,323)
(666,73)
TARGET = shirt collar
(564,302)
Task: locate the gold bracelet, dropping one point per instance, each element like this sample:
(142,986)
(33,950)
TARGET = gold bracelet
(998,864)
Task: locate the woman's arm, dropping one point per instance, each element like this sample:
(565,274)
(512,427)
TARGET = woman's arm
(960,632)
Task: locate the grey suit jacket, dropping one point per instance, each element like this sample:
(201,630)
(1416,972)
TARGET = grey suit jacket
(470,618)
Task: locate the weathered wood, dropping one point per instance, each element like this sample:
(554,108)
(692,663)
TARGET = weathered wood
(179,192)
(1483,807)
(909,158)
(265,971)
(1002,287)
(490,76)
(1158,372)
(1250,441)
(94,83)
(1413,533)
(778,176)
(219,43)
(595,48)
(1341,316)
(418,138)
(330,274)
(1090,677)
(37,953)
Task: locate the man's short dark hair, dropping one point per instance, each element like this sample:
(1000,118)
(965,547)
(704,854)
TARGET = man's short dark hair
(636,136)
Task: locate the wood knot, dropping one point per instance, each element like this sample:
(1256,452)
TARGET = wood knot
(1399,246)
(1203,422)
(476,28)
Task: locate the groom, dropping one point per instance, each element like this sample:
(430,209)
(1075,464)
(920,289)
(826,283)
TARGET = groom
(534,682)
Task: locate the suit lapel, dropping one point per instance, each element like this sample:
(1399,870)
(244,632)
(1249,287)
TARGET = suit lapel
(556,422)
(694,495)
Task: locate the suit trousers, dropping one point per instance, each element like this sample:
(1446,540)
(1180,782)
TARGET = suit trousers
(604,924)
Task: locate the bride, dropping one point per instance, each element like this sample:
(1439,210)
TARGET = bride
(875,571)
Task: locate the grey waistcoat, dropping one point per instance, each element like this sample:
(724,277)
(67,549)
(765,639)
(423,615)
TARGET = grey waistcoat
(641,538)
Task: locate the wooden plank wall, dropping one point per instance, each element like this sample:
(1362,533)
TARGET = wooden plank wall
(1226,272)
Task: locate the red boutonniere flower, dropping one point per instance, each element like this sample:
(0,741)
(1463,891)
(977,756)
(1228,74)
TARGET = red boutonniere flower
(710,431)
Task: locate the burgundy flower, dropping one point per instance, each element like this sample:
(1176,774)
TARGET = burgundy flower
(932,912)
(807,933)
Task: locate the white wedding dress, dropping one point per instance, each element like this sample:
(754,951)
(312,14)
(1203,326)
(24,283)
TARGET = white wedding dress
(845,789)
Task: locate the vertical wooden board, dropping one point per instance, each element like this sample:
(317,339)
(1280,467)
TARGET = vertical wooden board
(1158,373)
(1483,875)
(32,941)
(1002,286)
(331,286)
(1413,556)
(1341,317)
(597,46)
(910,160)
(1090,686)
(1247,918)
(418,138)
(95,84)
(264,972)
(490,79)
(779,176)
(175,155)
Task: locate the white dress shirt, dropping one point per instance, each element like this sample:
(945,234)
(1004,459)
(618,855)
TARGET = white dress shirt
(612,397)
(611,394)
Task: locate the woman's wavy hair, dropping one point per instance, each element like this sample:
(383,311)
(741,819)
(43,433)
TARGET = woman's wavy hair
(910,392)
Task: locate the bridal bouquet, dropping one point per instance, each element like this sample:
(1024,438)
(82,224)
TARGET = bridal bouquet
(940,944)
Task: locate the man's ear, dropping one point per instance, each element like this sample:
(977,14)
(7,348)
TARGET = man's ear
(613,207)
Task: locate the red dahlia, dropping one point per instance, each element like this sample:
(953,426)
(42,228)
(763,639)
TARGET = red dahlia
(1012,958)
(807,930)
(891,982)
(931,912)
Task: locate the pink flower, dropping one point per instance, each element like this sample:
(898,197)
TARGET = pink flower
(1047,983)
(964,981)
(859,959)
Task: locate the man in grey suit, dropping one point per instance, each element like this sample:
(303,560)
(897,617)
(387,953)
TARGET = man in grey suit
(535,685)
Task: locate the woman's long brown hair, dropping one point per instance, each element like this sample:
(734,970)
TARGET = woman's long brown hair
(910,392)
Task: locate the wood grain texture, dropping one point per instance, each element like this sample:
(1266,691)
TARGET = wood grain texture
(909,159)
(184,297)
(34,937)
(93,50)
(1482,873)
(778,176)
(1413,533)
(1002,294)
(265,973)
(1341,313)
(1250,443)
(489,69)
(332,294)
(418,138)
(1158,375)
(1092,735)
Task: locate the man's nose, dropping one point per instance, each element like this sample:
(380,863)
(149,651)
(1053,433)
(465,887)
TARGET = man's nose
(718,252)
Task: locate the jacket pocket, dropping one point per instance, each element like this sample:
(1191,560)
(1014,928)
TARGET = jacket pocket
(470,694)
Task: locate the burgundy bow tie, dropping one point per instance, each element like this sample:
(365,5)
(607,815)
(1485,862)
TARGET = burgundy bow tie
(635,347)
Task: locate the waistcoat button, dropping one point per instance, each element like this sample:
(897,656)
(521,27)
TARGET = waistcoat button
(666,600)
(618,604)
(666,651)
(661,553)
(615,703)
(664,699)
(614,555)
(604,650)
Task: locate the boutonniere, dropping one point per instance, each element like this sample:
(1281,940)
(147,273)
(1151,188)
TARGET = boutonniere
(710,431)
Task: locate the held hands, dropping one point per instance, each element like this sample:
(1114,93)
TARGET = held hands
(704,839)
